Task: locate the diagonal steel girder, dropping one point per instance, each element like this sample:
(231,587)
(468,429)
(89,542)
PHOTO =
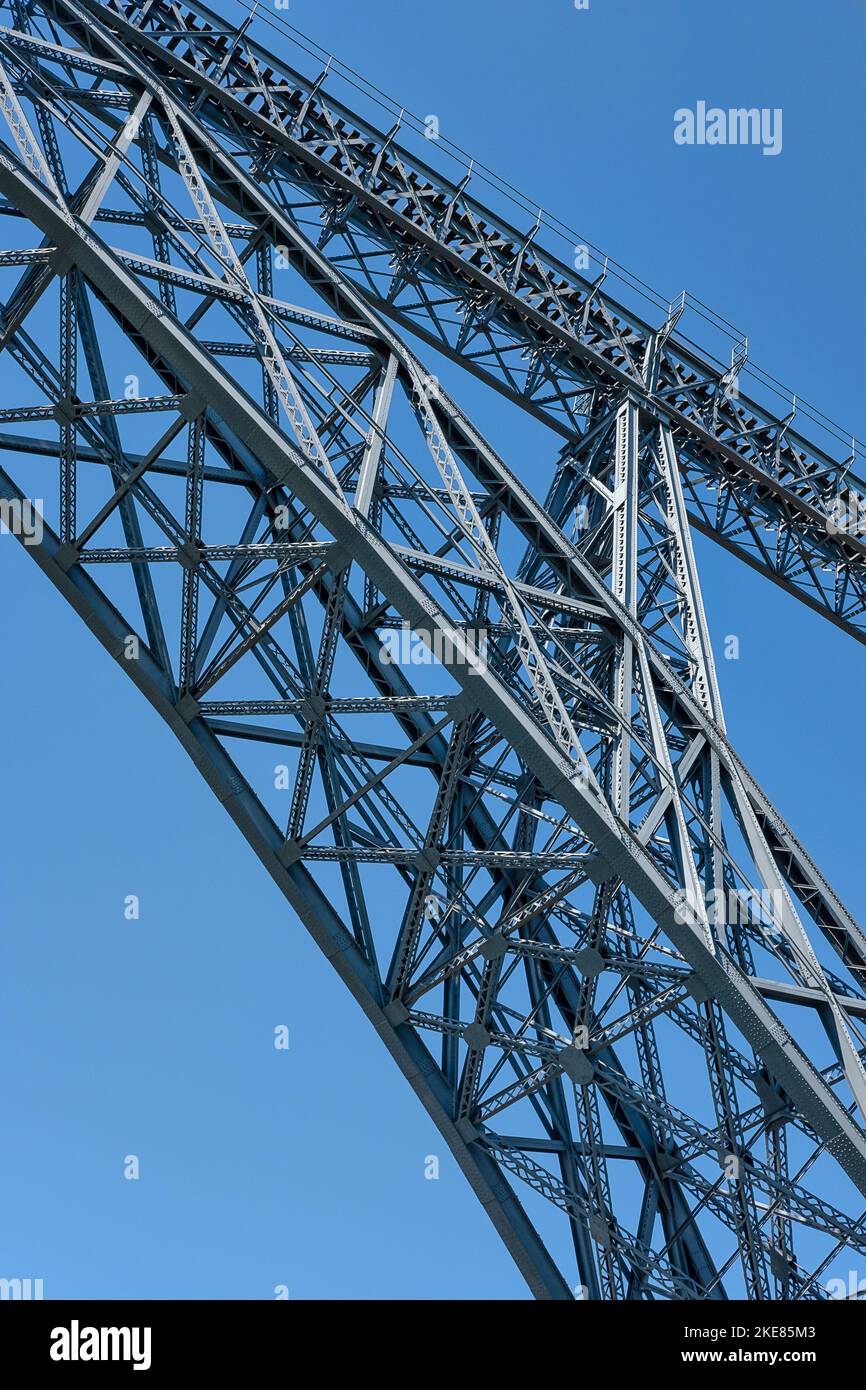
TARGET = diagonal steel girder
(622,855)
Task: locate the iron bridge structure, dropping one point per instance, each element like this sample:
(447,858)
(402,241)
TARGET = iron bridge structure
(519,855)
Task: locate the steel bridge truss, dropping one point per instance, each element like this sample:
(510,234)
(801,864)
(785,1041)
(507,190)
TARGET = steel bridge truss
(475,738)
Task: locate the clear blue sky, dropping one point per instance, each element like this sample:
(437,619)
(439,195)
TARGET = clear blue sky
(154,1037)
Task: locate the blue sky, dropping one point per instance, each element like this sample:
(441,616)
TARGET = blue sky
(306,1168)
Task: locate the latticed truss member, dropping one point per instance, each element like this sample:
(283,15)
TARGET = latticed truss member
(521,859)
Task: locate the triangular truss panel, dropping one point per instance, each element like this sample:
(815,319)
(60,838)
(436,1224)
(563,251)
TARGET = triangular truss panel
(473,732)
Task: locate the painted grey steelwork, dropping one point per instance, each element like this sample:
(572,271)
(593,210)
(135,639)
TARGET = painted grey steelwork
(537,861)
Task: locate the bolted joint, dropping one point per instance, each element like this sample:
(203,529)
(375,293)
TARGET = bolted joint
(696,987)
(64,411)
(589,962)
(576,1065)
(476,1036)
(396,1012)
(189,555)
(66,556)
(289,853)
(494,947)
(188,707)
(428,859)
(313,709)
